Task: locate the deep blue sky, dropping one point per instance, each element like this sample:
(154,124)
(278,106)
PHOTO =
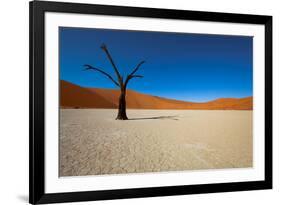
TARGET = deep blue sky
(191,67)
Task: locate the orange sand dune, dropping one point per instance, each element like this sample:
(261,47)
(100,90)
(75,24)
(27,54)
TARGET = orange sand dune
(73,96)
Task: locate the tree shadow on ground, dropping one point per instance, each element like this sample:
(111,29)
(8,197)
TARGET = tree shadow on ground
(172,117)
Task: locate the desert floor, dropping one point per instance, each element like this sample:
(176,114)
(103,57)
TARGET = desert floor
(92,142)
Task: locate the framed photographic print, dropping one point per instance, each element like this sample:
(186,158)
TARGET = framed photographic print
(140,102)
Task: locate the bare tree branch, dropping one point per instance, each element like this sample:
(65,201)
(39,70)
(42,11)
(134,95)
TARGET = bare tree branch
(130,76)
(137,67)
(89,67)
(104,48)
(136,76)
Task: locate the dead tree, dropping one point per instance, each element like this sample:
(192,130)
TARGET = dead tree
(120,82)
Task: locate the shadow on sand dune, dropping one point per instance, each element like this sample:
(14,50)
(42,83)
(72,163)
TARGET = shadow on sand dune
(156,118)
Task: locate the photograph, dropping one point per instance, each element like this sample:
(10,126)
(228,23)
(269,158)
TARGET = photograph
(147,101)
(133,102)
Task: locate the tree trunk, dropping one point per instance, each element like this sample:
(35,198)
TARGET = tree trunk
(122,106)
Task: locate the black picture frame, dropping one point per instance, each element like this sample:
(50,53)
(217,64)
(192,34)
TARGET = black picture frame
(37,193)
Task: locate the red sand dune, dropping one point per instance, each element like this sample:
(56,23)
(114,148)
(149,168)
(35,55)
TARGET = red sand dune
(73,96)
